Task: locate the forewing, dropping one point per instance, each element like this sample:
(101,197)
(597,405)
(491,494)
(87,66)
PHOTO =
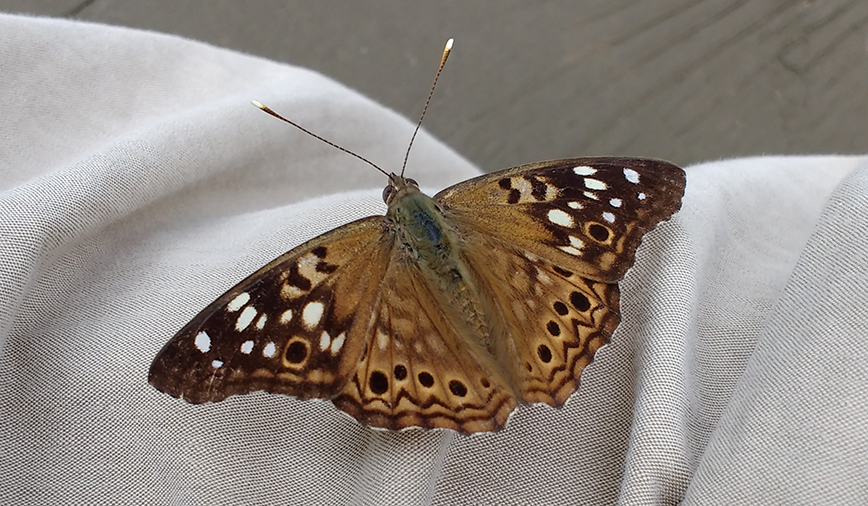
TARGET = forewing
(296,326)
(585,214)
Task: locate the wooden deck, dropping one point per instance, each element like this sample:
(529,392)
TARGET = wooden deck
(685,80)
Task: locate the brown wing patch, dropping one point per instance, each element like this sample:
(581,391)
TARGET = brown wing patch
(590,213)
(419,369)
(288,328)
(553,319)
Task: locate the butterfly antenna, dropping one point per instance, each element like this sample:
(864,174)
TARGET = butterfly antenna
(305,130)
(446,51)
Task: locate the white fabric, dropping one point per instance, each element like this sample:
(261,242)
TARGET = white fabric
(137,183)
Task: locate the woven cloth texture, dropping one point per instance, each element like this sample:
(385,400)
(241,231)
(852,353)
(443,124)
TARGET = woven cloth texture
(137,184)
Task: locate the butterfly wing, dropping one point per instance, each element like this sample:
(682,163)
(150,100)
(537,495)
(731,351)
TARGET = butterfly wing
(296,326)
(587,213)
(418,369)
(341,317)
(564,232)
(553,320)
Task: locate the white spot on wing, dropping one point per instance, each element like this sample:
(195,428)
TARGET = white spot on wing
(615,202)
(631,175)
(584,170)
(641,196)
(595,184)
(551,192)
(307,268)
(246,347)
(561,218)
(238,302)
(525,189)
(260,323)
(324,341)
(590,195)
(338,343)
(286,316)
(577,243)
(382,340)
(571,250)
(312,313)
(575,205)
(269,350)
(609,217)
(291,292)
(202,342)
(216,364)
(244,319)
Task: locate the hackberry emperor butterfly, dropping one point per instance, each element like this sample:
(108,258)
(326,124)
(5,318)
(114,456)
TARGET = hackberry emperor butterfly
(444,313)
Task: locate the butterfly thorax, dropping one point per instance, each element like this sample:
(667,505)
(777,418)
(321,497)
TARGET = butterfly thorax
(424,236)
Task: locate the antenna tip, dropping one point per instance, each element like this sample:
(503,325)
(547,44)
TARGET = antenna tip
(449,44)
(258,104)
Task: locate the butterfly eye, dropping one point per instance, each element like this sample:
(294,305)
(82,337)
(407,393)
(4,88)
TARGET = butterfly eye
(412,182)
(388,191)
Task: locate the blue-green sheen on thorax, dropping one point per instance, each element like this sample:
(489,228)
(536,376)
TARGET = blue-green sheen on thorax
(419,226)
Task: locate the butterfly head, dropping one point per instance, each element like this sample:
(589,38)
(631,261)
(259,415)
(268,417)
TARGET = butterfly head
(398,186)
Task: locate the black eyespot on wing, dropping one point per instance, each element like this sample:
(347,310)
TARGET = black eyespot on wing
(400,372)
(553,328)
(457,388)
(580,301)
(296,352)
(378,382)
(599,232)
(545,354)
(426,379)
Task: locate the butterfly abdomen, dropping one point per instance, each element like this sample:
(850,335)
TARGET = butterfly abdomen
(432,244)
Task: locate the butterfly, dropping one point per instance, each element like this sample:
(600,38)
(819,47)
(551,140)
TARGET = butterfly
(447,312)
